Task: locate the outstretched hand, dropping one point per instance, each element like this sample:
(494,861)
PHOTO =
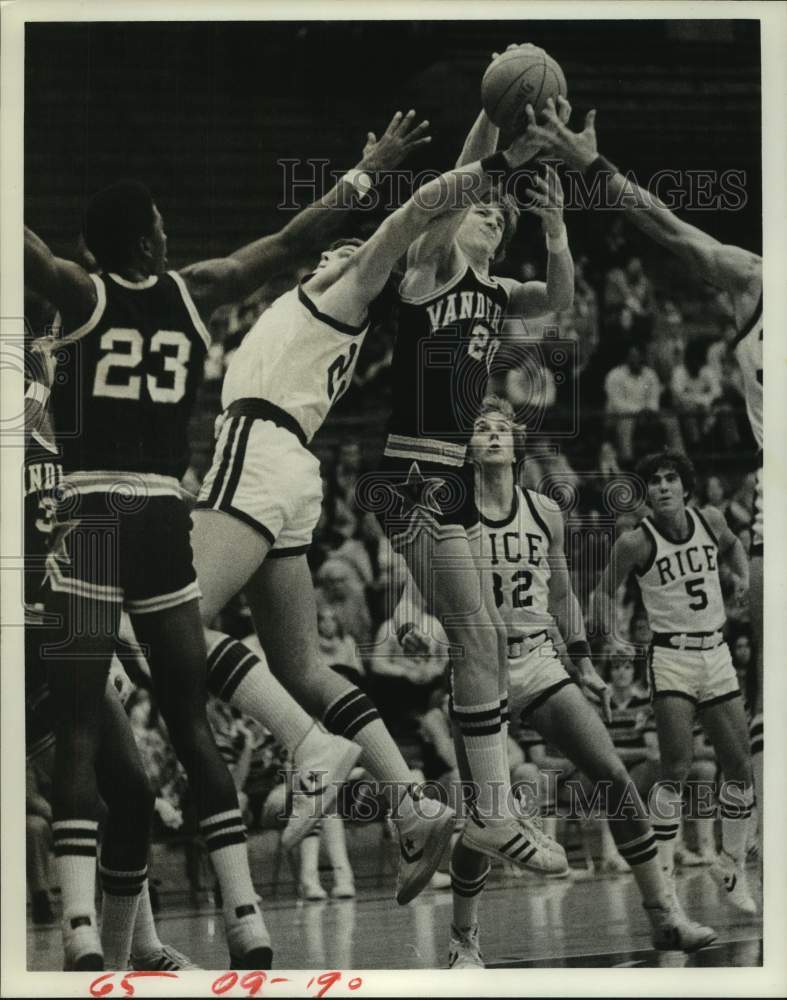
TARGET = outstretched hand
(546,201)
(397,142)
(577,149)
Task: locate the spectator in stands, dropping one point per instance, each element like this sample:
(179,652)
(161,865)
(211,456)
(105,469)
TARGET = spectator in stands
(628,298)
(338,651)
(166,775)
(340,587)
(739,511)
(695,389)
(715,493)
(632,389)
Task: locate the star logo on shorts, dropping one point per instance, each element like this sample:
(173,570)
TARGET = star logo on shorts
(418,492)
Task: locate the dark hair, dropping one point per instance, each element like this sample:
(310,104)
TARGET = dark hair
(115,219)
(346,241)
(668,459)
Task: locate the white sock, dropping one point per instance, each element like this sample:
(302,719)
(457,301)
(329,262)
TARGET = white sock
(145,939)
(666,804)
(118,913)
(74,843)
(735,804)
(225,838)
(239,677)
(481,728)
(467,896)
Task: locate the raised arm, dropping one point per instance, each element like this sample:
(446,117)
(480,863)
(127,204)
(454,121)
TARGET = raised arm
(435,250)
(450,193)
(565,607)
(727,267)
(62,282)
(229,279)
(535,298)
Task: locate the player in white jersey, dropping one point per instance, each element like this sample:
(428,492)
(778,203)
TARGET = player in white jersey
(262,495)
(734,271)
(675,554)
(522,548)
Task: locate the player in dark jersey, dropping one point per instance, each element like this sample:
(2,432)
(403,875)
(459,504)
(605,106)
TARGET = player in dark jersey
(731,269)
(449,331)
(130,357)
(120,773)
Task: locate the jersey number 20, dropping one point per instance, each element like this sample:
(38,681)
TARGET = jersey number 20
(134,344)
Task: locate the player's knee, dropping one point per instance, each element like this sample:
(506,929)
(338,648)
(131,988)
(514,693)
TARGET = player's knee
(478,640)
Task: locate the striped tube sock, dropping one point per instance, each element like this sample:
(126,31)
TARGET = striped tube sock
(239,677)
(666,803)
(505,719)
(735,805)
(756,734)
(642,856)
(480,726)
(75,848)
(467,895)
(119,913)
(353,716)
(225,839)
(145,938)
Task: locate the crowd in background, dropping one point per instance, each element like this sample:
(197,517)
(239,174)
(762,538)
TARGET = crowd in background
(648,369)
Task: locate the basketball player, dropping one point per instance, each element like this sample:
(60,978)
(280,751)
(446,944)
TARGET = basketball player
(733,270)
(675,554)
(121,778)
(130,357)
(450,315)
(261,499)
(522,549)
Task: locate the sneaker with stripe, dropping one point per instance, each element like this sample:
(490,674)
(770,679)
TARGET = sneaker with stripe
(163,959)
(518,841)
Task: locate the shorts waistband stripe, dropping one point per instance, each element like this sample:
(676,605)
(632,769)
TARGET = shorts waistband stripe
(103,481)
(401,446)
(262,409)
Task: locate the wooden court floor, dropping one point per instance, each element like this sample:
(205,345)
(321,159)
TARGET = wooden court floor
(525,922)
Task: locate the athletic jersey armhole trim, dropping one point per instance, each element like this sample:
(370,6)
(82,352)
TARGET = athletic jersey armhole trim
(703,521)
(348,328)
(749,326)
(651,537)
(191,308)
(95,316)
(536,516)
(421,300)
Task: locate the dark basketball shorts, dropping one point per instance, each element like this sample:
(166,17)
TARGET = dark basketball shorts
(128,545)
(410,496)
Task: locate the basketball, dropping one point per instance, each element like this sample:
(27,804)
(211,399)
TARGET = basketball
(525,75)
